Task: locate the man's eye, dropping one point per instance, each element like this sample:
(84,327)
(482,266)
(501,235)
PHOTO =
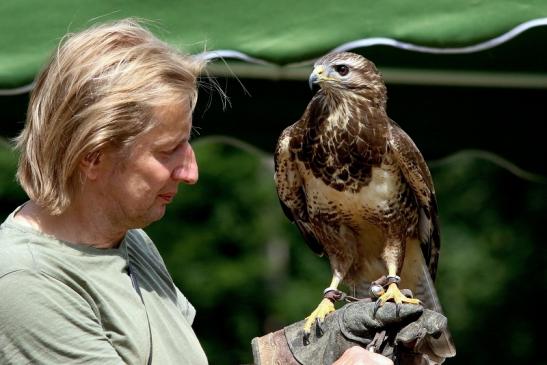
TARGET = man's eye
(173,150)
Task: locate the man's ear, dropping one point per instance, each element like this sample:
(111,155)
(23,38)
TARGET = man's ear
(91,164)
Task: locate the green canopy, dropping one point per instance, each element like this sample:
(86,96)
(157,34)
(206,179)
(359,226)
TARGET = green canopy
(484,38)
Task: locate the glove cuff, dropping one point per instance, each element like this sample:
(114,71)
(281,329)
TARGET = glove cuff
(272,349)
(321,348)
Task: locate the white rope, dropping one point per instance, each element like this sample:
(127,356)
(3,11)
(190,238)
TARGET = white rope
(18,90)
(491,43)
(228,53)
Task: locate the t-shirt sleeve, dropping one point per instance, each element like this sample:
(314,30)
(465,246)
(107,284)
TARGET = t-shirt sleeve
(44,321)
(187,309)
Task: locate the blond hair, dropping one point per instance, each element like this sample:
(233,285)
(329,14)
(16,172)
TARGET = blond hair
(98,90)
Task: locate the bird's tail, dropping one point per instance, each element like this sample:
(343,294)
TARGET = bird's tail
(442,346)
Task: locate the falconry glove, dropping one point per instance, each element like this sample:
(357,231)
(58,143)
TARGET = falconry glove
(400,336)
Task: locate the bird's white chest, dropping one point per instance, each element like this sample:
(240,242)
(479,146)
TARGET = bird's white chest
(383,188)
(377,196)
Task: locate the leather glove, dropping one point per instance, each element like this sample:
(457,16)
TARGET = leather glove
(399,336)
(402,336)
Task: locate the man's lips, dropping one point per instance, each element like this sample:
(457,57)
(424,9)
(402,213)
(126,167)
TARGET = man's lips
(168,197)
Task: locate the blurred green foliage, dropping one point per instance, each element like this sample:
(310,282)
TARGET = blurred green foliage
(230,249)
(11,194)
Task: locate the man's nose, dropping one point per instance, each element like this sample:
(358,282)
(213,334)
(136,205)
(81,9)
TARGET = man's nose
(187,170)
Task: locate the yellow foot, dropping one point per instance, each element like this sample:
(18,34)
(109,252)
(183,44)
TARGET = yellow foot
(393,293)
(318,315)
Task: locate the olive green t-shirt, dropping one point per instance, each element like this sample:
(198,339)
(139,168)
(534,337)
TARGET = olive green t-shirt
(63,303)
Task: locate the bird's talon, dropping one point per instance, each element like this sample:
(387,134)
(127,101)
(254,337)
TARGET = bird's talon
(318,315)
(319,327)
(306,338)
(377,306)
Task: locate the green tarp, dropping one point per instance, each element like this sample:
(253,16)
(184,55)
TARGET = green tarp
(283,32)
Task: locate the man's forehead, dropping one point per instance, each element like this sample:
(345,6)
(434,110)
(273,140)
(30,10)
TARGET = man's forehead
(179,109)
(171,122)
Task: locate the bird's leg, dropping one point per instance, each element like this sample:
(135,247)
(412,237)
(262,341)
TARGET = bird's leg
(323,309)
(393,292)
(393,256)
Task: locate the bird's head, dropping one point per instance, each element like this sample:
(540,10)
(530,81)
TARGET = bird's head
(348,71)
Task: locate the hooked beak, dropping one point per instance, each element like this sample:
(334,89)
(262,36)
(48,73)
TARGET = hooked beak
(316,76)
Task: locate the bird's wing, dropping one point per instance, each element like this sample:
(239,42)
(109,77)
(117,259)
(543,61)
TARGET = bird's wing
(417,175)
(290,188)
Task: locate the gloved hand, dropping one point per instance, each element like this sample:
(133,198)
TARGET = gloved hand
(397,336)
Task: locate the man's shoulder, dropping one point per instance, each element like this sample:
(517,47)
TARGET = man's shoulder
(15,253)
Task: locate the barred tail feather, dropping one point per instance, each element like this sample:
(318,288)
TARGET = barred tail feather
(443,346)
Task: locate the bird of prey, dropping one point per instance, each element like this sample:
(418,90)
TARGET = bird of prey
(359,190)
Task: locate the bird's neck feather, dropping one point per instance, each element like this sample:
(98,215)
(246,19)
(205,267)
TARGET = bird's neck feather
(334,107)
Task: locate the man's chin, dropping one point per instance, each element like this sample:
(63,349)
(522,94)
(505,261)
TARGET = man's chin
(157,214)
(154,215)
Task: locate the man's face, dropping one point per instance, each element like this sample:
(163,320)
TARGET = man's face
(138,188)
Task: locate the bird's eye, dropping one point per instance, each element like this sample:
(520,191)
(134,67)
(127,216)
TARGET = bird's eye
(341,69)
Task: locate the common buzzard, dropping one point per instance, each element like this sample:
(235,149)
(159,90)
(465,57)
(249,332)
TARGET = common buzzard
(359,190)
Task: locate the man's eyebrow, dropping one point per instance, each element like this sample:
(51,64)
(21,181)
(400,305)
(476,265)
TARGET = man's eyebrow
(166,142)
